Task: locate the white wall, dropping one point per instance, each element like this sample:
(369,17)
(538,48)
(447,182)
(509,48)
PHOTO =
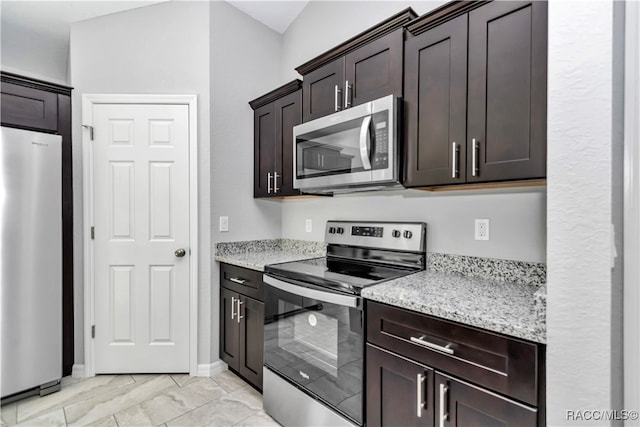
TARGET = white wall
(159,49)
(517,220)
(38,54)
(517,227)
(245,63)
(579,214)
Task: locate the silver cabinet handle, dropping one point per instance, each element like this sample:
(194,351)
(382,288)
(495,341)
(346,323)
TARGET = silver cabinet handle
(474,156)
(238,315)
(420,403)
(233,307)
(275,182)
(444,416)
(364,137)
(347,97)
(269,183)
(454,160)
(236,280)
(337,103)
(445,349)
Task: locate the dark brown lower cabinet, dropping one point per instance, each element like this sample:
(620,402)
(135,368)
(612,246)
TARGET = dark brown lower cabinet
(242,324)
(462,404)
(426,371)
(399,392)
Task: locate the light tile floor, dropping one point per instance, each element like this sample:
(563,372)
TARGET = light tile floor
(143,400)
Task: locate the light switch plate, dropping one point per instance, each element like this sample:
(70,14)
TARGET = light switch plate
(308,225)
(224,223)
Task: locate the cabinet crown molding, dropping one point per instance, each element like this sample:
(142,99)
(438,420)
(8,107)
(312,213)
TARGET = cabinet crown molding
(441,14)
(283,90)
(35,83)
(390,24)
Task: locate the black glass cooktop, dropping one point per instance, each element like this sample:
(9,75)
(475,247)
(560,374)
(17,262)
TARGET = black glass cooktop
(345,276)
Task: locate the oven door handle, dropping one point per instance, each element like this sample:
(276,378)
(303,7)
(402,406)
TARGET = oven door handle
(325,296)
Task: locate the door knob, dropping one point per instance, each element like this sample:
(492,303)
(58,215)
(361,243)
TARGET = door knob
(180,252)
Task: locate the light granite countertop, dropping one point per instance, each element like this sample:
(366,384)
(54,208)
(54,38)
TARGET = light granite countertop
(255,254)
(503,296)
(512,309)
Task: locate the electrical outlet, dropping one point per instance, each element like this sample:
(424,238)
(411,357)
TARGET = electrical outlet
(224,223)
(308,225)
(482,229)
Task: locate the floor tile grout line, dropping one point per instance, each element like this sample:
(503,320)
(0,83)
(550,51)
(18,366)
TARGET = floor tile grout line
(198,407)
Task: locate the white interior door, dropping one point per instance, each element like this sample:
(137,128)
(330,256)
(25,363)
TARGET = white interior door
(141,219)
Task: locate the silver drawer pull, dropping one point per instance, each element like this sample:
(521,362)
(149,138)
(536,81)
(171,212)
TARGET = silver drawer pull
(238,281)
(445,349)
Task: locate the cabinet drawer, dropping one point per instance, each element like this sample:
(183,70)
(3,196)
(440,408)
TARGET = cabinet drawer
(242,280)
(506,365)
(29,107)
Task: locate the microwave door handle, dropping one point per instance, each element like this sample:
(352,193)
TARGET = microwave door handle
(364,143)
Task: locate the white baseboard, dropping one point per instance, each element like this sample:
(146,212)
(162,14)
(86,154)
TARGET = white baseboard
(78,371)
(211,369)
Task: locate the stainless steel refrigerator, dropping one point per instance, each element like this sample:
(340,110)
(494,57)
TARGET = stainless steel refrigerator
(31,251)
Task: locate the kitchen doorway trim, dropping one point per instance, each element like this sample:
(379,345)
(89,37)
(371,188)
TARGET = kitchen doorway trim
(88,101)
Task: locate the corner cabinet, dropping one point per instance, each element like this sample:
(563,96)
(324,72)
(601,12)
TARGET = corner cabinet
(475,94)
(46,107)
(425,371)
(275,115)
(242,322)
(364,68)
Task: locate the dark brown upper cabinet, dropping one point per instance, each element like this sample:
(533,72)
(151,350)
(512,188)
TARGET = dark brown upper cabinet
(475,94)
(364,68)
(275,115)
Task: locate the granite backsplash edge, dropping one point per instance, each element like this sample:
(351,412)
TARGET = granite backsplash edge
(502,270)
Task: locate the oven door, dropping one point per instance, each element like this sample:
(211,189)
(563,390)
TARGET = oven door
(314,339)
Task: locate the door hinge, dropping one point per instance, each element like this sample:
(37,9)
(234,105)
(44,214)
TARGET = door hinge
(93,331)
(90,131)
(93,233)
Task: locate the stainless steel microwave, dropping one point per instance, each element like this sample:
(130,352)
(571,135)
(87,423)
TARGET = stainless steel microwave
(351,150)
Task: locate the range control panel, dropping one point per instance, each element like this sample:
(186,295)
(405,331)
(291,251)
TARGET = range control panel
(406,236)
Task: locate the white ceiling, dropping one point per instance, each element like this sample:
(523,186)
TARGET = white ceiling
(53,18)
(277,15)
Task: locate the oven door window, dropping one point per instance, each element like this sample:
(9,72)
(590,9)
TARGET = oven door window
(318,346)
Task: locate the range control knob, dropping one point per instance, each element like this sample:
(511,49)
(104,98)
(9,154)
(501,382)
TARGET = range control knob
(407,234)
(332,230)
(340,230)
(395,233)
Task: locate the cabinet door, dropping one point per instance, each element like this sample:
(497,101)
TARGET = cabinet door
(507,91)
(229,328)
(288,112)
(399,392)
(374,70)
(435,105)
(29,107)
(264,150)
(319,96)
(461,404)
(251,340)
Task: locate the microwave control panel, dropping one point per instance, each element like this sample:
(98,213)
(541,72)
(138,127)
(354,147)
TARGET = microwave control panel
(380,155)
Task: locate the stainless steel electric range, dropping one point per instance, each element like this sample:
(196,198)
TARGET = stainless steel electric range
(314,341)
